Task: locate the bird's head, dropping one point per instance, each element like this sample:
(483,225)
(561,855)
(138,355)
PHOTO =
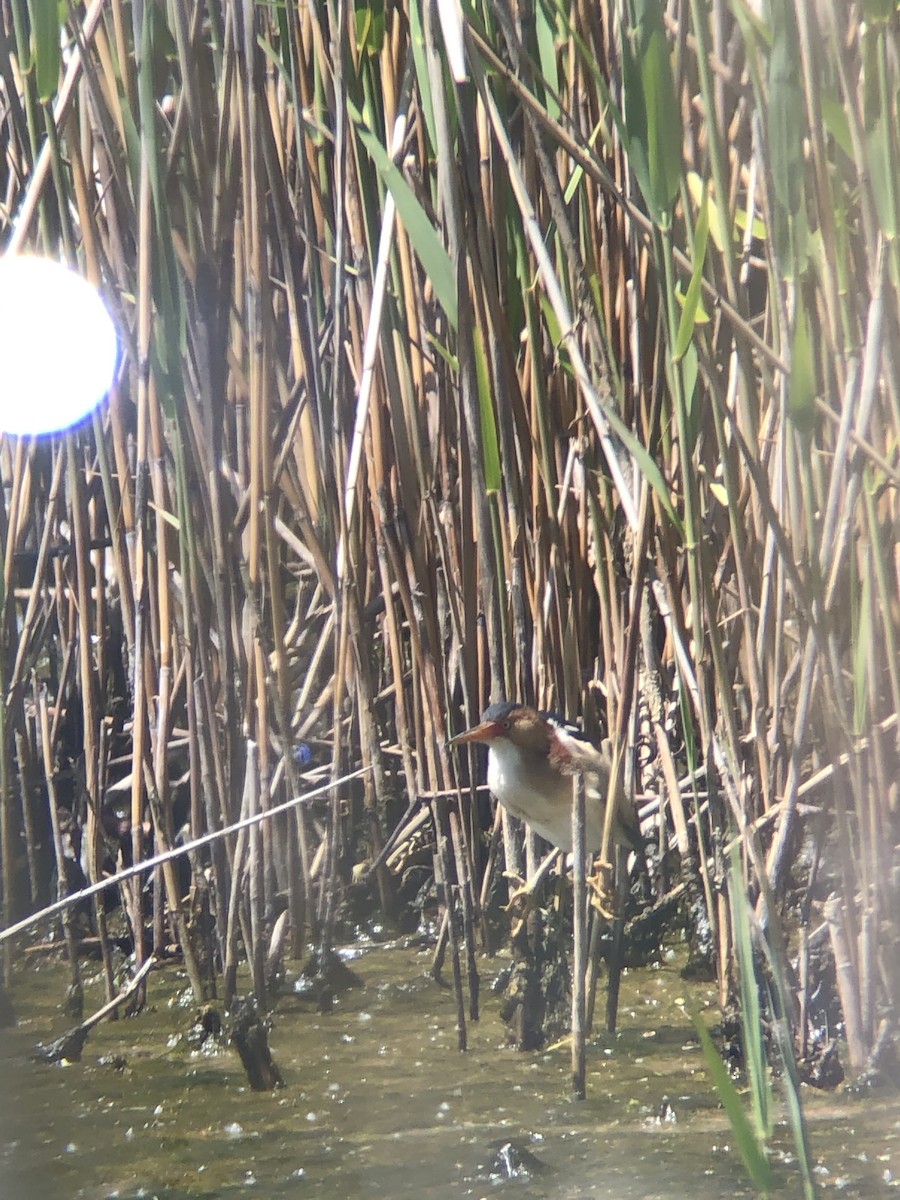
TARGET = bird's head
(520,724)
(563,745)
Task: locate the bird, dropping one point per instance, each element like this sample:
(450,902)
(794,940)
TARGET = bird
(532,758)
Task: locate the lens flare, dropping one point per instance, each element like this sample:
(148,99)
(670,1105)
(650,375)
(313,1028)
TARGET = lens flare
(57,346)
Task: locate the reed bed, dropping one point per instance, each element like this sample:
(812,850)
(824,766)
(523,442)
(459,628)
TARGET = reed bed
(544,352)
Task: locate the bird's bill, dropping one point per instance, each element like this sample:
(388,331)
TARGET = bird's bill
(478,733)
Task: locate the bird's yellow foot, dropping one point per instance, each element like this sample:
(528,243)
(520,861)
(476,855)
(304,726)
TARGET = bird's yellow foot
(603,896)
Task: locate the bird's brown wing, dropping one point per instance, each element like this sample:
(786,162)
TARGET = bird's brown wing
(572,755)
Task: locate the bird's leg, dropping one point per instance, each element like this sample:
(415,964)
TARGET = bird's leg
(522,897)
(526,887)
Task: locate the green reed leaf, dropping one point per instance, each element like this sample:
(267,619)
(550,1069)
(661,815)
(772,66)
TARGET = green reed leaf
(45,41)
(426,243)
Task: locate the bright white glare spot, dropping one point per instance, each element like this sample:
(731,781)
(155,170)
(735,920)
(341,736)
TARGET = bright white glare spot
(57,346)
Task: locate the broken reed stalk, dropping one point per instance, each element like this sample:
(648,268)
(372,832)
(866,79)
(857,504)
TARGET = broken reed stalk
(466,901)
(94,837)
(329,878)
(616,959)
(70,1045)
(6,826)
(446,894)
(848,984)
(256,870)
(23,757)
(579,939)
(236,898)
(75,997)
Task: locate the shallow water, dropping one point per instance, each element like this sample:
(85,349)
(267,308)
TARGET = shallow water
(379,1102)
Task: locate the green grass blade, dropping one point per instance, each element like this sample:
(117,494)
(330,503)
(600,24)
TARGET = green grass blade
(545,31)
(417,42)
(692,298)
(802,388)
(648,465)
(489,441)
(786,111)
(751,1017)
(754,1159)
(432,255)
(862,654)
(652,115)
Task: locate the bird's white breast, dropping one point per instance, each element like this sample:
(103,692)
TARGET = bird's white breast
(539,795)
